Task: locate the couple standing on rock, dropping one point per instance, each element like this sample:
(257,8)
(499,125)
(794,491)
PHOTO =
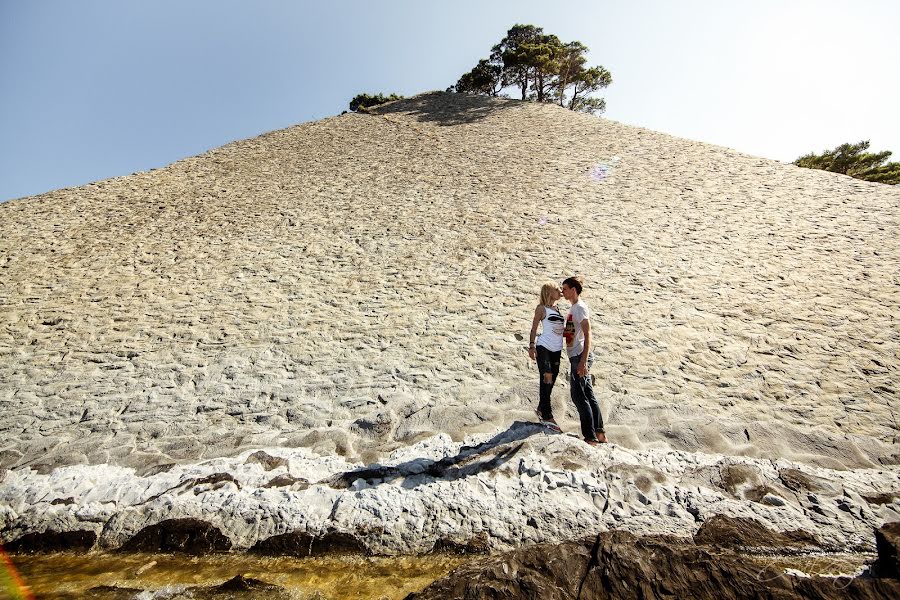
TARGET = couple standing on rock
(547,349)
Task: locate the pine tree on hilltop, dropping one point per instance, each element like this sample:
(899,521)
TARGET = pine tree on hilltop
(542,67)
(853,160)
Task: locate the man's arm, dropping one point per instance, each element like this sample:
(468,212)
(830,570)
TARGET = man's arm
(586,329)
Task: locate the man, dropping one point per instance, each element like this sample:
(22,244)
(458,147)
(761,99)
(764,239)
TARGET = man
(578,347)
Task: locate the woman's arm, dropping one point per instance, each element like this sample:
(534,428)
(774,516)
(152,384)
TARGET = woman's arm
(538,317)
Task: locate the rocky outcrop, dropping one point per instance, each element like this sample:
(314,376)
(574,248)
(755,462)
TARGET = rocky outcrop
(239,583)
(887,541)
(179,535)
(617,565)
(740,533)
(479,544)
(238,586)
(491,492)
(53,541)
(299,543)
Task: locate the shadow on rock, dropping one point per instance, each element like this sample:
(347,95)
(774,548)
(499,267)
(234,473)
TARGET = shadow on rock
(446,108)
(471,460)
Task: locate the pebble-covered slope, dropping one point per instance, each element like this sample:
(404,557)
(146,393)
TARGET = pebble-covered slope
(356,284)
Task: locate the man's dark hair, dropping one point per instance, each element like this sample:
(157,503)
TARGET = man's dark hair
(577,283)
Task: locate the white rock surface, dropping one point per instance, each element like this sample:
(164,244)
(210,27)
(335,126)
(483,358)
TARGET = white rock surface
(521,485)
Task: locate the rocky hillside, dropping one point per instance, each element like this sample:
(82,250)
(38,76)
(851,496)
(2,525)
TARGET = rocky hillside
(362,282)
(319,335)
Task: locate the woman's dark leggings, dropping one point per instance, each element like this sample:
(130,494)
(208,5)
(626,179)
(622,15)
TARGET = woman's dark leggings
(547,362)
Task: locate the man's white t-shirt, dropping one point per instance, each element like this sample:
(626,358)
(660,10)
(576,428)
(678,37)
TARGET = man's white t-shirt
(579,312)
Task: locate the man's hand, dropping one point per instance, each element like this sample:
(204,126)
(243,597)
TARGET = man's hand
(582,369)
(531,353)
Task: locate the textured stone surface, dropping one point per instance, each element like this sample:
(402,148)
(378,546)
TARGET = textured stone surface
(887,540)
(728,532)
(494,492)
(617,566)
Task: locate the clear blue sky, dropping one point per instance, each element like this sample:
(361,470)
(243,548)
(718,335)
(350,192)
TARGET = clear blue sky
(99,88)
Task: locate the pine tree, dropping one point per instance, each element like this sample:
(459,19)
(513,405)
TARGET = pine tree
(543,68)
(853,160)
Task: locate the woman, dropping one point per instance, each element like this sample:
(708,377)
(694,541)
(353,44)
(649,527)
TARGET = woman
(546,348)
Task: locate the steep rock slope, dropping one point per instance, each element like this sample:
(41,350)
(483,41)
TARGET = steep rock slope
(360,283)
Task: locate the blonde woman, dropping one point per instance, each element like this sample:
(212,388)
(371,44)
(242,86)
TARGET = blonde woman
(546,348)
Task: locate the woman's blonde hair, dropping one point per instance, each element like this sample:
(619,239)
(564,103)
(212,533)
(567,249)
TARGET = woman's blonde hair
(546,289)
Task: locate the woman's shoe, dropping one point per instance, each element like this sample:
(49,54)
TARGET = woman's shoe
(551,424)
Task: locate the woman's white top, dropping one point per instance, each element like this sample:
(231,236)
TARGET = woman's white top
(552,328)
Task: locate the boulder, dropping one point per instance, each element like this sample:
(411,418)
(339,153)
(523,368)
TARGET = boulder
(301,543)
(53,541)
(887,542)
(191,536)
(267,461)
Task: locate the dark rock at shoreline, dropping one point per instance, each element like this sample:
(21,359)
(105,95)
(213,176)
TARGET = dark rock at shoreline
(239,583)
(618,565)
(300,543)
(887,541)
(104,592)
(480,544)
(236,587)
(736,533)
(191,536)
(53,541)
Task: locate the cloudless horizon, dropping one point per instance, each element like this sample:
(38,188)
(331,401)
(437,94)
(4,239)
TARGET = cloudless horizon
(102,88)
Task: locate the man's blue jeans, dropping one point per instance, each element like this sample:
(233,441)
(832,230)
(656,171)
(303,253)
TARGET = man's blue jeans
(584,399)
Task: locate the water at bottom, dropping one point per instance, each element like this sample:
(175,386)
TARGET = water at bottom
(170,576)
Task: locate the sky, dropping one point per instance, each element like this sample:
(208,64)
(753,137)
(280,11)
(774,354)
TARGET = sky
(100,88)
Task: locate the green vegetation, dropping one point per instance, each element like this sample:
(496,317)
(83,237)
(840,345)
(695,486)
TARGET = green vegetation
(364,101)
(544,68)
(853,160)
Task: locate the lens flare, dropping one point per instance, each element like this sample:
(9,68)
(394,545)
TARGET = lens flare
(10,581)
